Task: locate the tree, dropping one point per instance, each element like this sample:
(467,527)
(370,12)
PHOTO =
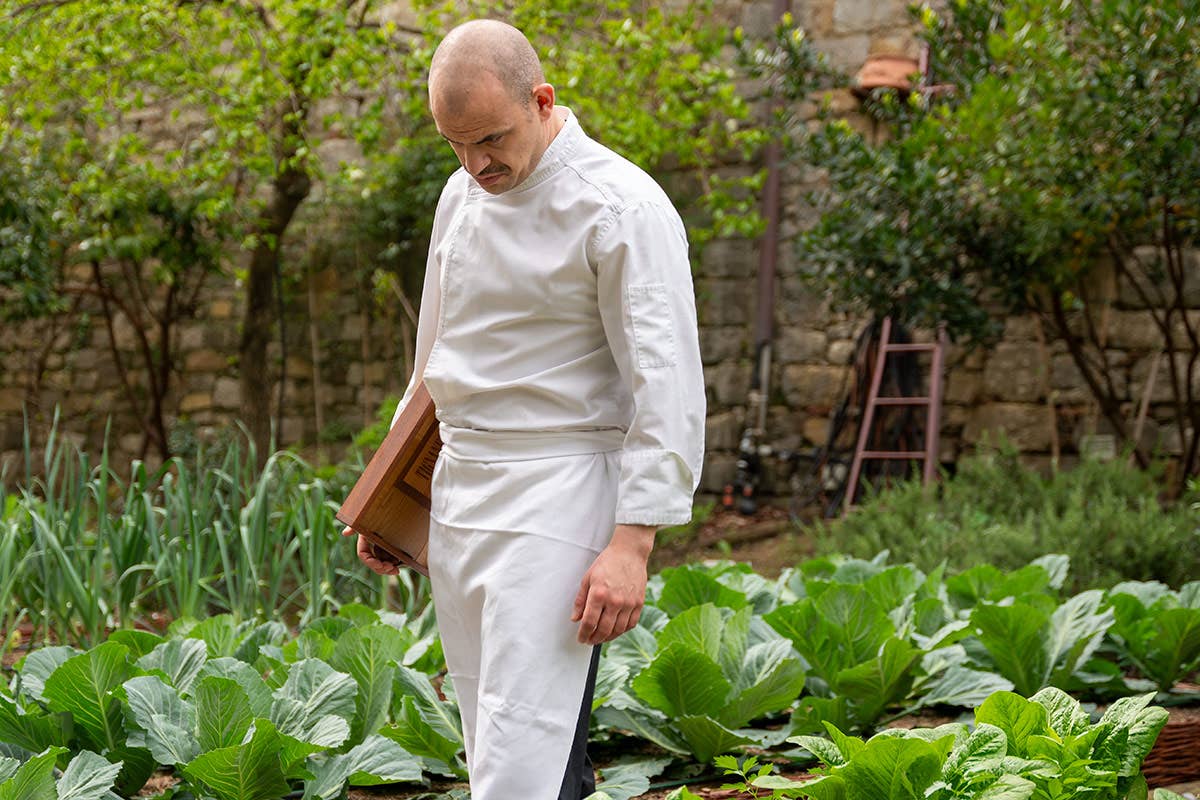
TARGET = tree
(245,88)
(1067,151)
(239,84)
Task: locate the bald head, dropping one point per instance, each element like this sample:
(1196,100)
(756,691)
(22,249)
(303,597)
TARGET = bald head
(484,46)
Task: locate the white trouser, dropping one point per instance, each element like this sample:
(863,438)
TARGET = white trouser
(503,602)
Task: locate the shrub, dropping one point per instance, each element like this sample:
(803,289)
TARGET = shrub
(1105,516)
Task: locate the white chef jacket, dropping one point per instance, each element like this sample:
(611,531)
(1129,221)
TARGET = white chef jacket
(558,318)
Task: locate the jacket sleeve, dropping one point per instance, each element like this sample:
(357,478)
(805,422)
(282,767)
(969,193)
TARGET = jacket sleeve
(648,310)
(431,305)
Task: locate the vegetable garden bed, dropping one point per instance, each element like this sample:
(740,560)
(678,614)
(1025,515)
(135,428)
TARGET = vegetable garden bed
(723,661)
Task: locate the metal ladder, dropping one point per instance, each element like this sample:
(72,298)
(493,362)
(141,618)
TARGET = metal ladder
(932,402)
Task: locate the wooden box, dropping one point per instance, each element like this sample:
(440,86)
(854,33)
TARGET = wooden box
(389,504)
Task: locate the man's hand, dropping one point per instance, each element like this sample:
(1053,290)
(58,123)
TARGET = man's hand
(613,589)
(373,557)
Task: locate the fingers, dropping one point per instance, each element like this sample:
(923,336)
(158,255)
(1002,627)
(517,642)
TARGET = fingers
(606,616)
(581,597)
(370,556)
(347,531)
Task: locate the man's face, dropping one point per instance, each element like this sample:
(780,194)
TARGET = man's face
(498,140)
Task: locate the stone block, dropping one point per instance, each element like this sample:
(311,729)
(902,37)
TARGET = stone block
(796,304)
(1170,440)
(12,400)
(124,334)
(784,428)
(353,326)
(204,361)
(758,20)
(736,258)
(220,309)
(372,396)
(963,386)
(191,338)
(798,345)
(131,442)
(1163,381)
(375,373)
(77,403)
(1066,381)
(1134,330)
(1191,279)
(1181,327)
(895,44)
(815,430)
(722,431)
(1027,426)
(840,352)
(1015,372)
(299,368)
(846,53)
(955,417)
(722,344)
(721,301)
(1021,329)
(727,383)
(857,16)
(811,385)
(291,431)
(719,470)
(197,401)
(227,393)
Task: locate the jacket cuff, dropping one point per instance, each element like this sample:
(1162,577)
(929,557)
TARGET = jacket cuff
(655,489)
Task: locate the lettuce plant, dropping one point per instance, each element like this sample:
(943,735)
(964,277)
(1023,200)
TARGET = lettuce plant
(86,777)
(700,677)
(1035,642)
(1044,748)
(858,665)
(237,714)
(1156,630)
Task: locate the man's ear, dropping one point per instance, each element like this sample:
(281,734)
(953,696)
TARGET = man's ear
(543,100)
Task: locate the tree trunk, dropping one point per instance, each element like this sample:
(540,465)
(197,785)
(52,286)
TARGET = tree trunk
(289,189)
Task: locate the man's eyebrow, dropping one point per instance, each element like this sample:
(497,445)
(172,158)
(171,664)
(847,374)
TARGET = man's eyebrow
(484,140)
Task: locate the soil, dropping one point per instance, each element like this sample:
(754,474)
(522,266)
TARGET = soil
(769,541)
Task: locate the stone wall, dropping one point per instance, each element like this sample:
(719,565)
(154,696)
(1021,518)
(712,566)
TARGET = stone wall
(1026,386)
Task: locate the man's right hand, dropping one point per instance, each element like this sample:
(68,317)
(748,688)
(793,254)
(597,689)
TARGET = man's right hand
(373,557)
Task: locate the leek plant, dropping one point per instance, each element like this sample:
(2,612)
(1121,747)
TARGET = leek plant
(13,558)
(183,548)
(86,550)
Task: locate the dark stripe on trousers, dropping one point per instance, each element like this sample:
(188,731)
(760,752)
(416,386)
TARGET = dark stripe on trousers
(580,778)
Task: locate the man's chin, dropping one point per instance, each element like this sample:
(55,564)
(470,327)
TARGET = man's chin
(495,184)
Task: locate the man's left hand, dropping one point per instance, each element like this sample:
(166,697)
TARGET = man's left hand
(613,589)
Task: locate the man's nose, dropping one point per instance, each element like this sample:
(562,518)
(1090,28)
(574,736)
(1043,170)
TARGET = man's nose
(476,161)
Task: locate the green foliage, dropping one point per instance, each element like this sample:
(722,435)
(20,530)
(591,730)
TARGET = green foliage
(87,777)
(86,551)
(701,664)
(1035,644)
(30,257)
(755,777)
(851,645)
(1106,517)
(1044,747)
(1157,630)
(1065,155)
(248,725)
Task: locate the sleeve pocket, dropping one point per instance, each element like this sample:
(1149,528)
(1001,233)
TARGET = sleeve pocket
(653,327)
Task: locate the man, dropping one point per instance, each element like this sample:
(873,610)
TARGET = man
(557,338)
